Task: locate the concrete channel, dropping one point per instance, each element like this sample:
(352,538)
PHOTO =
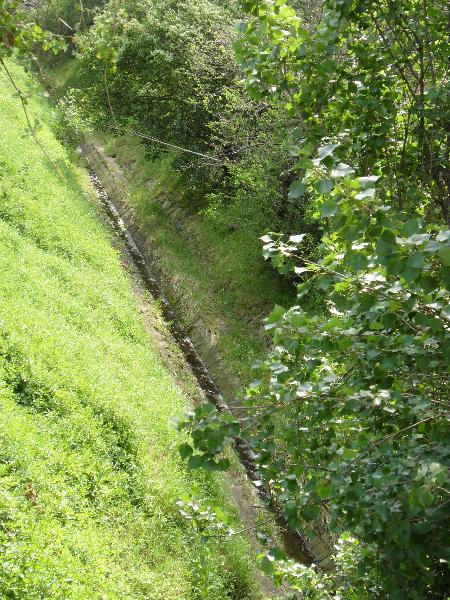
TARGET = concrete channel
(195,340)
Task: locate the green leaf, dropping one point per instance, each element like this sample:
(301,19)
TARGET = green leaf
(324,283)
(328,209)
(223,464)
(297,189)
(428,283)
(324,488)
(411,227)
(425,497)
(386,243)
(411,274)
(305,163)
(356,260)
(185,450)
(310,513)
(195,462)
(276,315)
(420,498)
(444,255)
(324,186)
(267,566)
(416,260)
(212,466)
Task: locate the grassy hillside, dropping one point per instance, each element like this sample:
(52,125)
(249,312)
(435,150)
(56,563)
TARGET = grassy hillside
(89,469)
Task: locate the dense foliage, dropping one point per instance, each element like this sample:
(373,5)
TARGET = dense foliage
(172,75)
(66,17)
(19,32)
(350,415)
(170,65)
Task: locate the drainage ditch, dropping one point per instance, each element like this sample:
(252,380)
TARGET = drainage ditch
(295,545)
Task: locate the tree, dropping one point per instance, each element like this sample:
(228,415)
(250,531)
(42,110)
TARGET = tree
(350,415)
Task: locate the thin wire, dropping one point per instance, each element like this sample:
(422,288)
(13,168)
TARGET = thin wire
(152,139)
(66,24)
(148,137)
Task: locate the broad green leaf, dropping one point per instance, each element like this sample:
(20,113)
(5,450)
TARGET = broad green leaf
(310,513)
(223,464)
(356,260)
(425,497)
(416,260)
(267,566)
(195,462)
(411,227)
(324,186)
(277,314)
(297,189)
(305,163)
(328,209)
(444,255)
(185,450)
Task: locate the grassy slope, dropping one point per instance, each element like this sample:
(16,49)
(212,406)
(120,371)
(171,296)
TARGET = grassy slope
(89,472)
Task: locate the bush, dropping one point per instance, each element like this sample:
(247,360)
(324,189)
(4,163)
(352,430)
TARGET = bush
(66,17)
(172,75)
(70,122)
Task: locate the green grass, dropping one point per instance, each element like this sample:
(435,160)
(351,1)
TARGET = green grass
(89,469)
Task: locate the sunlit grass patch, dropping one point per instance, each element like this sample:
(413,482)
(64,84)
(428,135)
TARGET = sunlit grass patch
(89,467)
